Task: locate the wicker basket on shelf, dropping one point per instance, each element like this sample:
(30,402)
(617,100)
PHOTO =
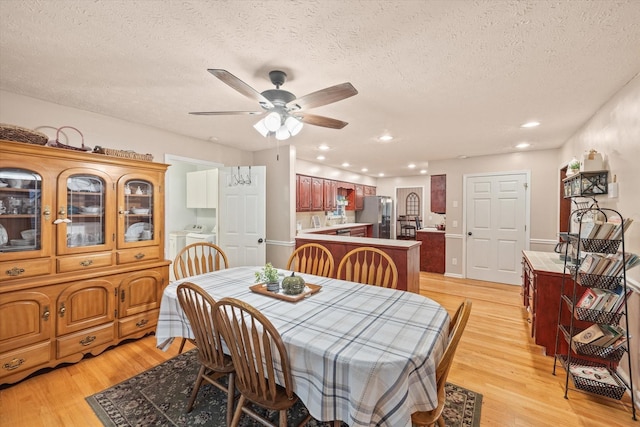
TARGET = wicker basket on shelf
(20,134)
(126,154)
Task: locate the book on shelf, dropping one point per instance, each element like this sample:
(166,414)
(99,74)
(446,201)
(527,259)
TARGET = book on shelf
(621,228)
(604,231)
(588,229)
(611,333)
(589,335)
(601,297)
(587,299)
(595,373)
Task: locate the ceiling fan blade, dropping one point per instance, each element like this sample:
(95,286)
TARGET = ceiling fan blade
(324,96)
(240,86)
(225,113)
(325,122)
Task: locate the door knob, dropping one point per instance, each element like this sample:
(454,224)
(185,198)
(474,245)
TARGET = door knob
(469,233)
(260,240)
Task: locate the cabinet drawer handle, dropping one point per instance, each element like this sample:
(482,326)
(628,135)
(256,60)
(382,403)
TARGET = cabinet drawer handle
(62,310)
(13,364)
(139,255)
(46,313)
(15,271)
(86,263)
(142,323)
(88,340)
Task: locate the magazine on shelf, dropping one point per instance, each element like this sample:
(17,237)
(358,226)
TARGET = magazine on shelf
(595,373)
(589,335)
(587,299)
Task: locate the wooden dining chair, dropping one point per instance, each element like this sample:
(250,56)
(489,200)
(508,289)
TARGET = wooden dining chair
(198,258)
(311,258)
(370,266)
(456,328)
(198,305)
(254,344)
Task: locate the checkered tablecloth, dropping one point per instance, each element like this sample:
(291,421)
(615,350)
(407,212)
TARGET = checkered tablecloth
(361,354)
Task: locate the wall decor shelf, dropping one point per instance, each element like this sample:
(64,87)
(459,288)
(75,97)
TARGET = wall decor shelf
(586,184)
(596,337)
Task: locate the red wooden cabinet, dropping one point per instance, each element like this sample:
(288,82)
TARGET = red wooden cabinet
(303,201)
(359,197)
(439,194)
(432,251)
(330,195)
(317,194)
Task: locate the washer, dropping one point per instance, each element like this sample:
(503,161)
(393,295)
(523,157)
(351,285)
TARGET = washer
(200,237)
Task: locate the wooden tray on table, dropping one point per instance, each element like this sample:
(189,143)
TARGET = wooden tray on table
(310,288)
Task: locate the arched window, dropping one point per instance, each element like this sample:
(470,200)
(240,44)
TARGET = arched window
(413,204)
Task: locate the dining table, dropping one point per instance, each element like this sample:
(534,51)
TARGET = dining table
(362,354)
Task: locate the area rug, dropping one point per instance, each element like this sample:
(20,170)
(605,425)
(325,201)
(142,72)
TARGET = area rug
(159,396)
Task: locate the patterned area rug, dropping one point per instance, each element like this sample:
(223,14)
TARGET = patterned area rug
(158,397)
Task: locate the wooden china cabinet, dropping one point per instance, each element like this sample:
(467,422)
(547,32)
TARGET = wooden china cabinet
(81,254)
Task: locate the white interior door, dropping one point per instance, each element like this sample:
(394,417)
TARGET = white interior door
(496,226)
(242,215)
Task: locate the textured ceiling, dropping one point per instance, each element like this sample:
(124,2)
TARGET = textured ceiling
(445,78)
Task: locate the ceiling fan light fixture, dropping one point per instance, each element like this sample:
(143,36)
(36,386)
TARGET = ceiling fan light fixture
(282,133)
(261,128)
(293,125)
(273,121)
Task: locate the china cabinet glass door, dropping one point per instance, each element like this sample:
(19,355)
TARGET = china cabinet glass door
(84,204)
(137,210)
(20,210)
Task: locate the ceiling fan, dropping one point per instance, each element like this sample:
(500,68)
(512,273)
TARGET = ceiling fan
(284,113)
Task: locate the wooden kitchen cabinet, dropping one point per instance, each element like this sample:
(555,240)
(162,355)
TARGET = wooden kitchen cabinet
(541,289)
(317,194)
(439,194)
(303,192)
(92,272)
(359,197)
(330,195)
(432,250)
(369,191)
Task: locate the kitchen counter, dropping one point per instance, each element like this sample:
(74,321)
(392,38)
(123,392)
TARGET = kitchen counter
(430,230)
(545,261)
(334,227)
(405,253)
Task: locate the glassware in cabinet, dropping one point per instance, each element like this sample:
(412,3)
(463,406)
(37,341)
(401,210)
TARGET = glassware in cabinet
(20,210)
(138,211)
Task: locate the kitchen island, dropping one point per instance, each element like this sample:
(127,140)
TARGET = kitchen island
(432,251)
(356,229)
(405,253)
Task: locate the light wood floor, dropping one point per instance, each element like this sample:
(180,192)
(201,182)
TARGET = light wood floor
(495,357)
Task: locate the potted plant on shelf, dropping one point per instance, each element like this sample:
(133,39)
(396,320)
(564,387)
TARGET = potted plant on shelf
(269,276)
(573,167)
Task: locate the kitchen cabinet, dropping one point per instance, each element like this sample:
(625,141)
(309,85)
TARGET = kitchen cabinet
(81,254)
(303,191)
(202,189)
(439,194)
(369,191)
(330,195)
(317,194)
(432,250)
(359,191)
(542,275)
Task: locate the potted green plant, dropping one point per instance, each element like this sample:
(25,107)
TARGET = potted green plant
(269,276)
(574,166)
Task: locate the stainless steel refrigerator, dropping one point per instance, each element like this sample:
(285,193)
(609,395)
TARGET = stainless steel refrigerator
(377,211)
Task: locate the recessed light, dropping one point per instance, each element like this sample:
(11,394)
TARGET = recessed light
(411,166)
(381,174)
(345,165)
(364,170)
(385,138)
(323,147)
(462,156)
(423,171)
(530,124)
(523,145)
(320,157)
